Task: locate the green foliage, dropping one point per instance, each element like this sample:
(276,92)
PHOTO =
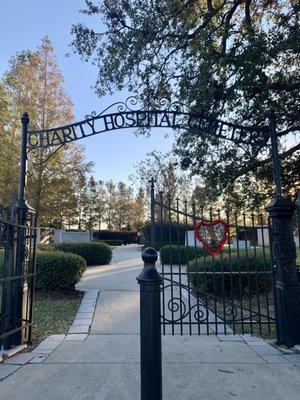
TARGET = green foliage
(235,283)
(58,270)
(124,236)
(171,182)
(54,312)
(111,242)
(147,243)
(93,253)
(9,149)
(179,255)
(230,59)
(33,82)
(46,247)
(166,232)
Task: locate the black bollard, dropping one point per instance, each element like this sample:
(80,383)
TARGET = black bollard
(150,327)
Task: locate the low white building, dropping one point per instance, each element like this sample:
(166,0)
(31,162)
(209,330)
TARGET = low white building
(62,236)
(262,238)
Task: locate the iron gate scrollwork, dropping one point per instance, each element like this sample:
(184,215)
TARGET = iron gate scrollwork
(229,293)
(244,306)
(41,145)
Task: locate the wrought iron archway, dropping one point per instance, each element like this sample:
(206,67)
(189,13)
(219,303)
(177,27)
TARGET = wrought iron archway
(131,114)
(134,114)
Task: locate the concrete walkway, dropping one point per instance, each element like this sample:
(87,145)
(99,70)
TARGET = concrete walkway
(104,364)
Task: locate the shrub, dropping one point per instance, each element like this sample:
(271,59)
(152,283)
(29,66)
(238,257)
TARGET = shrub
(234,283)
(58,270)
(126,237)
(46,247)
(93,253)
(166,232)
(147,243)
(179,255)
(111,242)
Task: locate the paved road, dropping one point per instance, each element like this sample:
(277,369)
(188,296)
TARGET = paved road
(105,366)
(119,275)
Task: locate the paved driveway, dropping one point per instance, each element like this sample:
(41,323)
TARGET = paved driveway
(105,365)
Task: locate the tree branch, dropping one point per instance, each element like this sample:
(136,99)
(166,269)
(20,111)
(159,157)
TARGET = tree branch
(260,163)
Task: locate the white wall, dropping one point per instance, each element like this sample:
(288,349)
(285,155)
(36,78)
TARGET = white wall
(190,240)
(61,236)
(263,236)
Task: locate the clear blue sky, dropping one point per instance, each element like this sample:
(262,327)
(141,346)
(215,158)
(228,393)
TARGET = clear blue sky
(23,24)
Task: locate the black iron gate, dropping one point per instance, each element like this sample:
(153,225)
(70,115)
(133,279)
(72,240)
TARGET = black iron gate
(229,291)
(210,291)
(17,274)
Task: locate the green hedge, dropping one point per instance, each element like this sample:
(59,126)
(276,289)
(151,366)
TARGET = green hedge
(46,247)
(125,236)
(166,232)
(93,253)
(58,270)
(110,242)
(235,283)
(179,254)
(147,243)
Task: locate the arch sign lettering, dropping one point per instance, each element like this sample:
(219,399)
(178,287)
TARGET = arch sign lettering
(133,114)
(128,114)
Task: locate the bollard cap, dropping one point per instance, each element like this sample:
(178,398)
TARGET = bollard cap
(149,255)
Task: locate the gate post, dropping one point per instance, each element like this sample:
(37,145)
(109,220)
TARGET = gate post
(22,214)
(152,217)
(7,303)
(23,161)
(287,286)
(150,327)
(283,249)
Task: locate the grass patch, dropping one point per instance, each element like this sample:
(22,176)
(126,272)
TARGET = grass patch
(54,312)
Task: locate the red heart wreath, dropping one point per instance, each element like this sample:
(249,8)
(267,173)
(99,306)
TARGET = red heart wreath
(212,234)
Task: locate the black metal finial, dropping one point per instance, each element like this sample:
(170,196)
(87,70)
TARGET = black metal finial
(152,181)
(149,255)
(25,118)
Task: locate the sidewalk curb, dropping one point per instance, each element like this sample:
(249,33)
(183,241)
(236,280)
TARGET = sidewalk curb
(78,331)
(81,326)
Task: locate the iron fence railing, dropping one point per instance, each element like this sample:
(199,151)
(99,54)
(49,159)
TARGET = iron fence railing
(17,274)
(206,291)
(296,231)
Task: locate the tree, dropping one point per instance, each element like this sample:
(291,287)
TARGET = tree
(90,205)
(34,84)
(248,195)
(169,179)
(100,203)
(124,207)
(110,211)
(139,209)
(80,196)
(235,59)
(9,149)
(112,205)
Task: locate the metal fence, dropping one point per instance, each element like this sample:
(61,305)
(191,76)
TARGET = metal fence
(17,274)
(296,228)
(204,293)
